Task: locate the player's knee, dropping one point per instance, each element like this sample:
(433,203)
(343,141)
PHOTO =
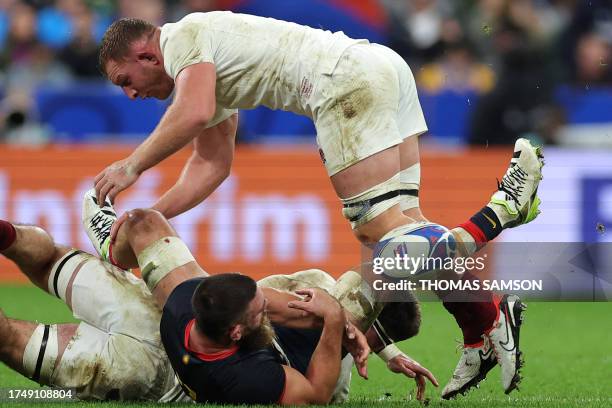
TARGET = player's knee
(142,220)
(401,320)
(147,222)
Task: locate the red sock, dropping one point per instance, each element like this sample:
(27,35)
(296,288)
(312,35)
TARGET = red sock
(475,232)
(475,317)
(112,260)
(8,234)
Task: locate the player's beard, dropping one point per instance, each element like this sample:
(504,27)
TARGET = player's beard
(258,338)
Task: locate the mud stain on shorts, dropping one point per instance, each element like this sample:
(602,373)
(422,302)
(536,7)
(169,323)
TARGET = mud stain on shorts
(357,101)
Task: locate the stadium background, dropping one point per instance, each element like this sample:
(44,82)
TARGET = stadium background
(488,71)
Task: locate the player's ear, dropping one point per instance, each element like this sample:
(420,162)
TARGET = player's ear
(147,57)
(235,332)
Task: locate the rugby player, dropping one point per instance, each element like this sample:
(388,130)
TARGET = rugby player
(363,101)
(115,352)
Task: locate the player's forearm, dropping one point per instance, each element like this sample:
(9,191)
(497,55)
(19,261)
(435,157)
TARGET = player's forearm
(324,368)
(197,182)
(176,129)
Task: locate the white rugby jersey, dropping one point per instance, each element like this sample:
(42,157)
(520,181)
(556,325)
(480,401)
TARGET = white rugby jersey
(259,61)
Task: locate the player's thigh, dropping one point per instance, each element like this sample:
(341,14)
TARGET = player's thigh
(106,366)
(311,278)
(105,296)
(357,116)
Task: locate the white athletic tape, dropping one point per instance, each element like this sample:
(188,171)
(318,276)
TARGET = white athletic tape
(62,272)
(410,179)
(389,353)
(358,298)
(40,354)
(361,211)
(161,257)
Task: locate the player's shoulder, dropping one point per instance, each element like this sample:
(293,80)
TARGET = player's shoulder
(193,22)
(179,301)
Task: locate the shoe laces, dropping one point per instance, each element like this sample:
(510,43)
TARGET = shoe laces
(513,182)
(101,226)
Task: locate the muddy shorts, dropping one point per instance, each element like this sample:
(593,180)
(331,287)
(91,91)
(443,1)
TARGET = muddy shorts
(116,353)
(369,103)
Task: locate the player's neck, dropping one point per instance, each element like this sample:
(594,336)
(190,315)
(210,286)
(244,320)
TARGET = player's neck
(200,343)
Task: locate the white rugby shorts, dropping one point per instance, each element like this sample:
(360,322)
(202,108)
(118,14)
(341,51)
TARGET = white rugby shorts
(117,351)
(369,103)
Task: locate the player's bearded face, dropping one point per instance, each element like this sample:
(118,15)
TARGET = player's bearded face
(256,338)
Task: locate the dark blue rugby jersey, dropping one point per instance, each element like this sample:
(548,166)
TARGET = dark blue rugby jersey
(232,377)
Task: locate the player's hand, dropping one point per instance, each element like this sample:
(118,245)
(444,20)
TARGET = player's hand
(114,179)
(116,225)
(319,303)
(402,364)
(355,342)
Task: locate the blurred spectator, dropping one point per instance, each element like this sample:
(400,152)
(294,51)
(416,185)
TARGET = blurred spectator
(17,123)
(456,70)
(592,61)
(5,6)
(418,27)
(28,62)
(520,105)
(153,11)
(589,33)
(21,38)
(540,21)
(81,53)
(191,6)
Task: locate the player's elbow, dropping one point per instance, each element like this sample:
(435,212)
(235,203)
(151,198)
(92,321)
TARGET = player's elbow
(199,121)
(195,119)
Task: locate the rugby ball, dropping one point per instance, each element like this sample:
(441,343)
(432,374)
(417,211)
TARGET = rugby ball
(414,250)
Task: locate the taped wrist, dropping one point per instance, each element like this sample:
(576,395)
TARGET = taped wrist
(41,353)
(162,257)
(410,180)
(389,353)
(390,350)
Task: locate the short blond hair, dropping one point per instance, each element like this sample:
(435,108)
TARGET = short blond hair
(118,38)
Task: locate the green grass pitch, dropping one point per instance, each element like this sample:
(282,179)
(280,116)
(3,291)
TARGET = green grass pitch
(567,346)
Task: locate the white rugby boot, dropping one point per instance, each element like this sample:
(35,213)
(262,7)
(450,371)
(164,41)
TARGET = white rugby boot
(98,221)
(516,202)
(504,338)
(475,362)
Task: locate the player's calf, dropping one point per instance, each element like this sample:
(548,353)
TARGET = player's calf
(32,249)
(15,336)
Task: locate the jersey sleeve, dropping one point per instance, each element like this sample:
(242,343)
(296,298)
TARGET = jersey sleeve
(183,44)
(221,114)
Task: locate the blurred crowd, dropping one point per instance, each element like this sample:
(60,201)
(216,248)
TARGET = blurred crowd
(512,53)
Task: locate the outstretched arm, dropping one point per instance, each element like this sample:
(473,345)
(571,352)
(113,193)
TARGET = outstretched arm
(208,166)
(187,117)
